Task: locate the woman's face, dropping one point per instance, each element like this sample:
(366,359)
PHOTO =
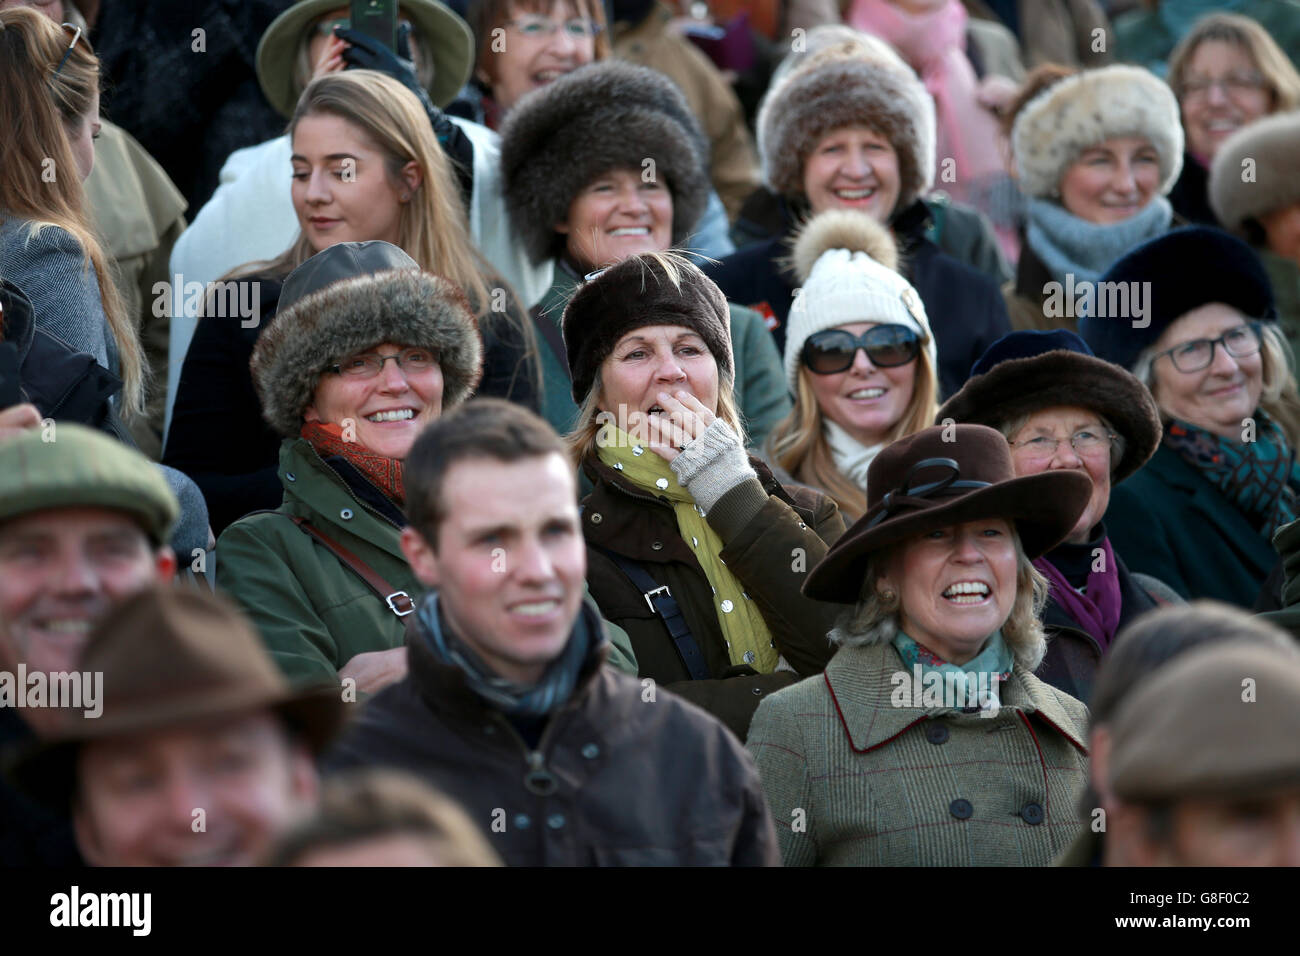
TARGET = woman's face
(341,189)
(1222,92)
(1282,229)
(853,167)
(1112,181)
(654,359)
(82,138)
(386,411)
(535,49)
(1063,423)
(616,216)
(956,585)
(866,401)
(1219,397)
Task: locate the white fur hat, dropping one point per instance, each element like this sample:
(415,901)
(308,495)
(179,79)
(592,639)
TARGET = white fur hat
(1272,145)
(847,262)
(1086,109)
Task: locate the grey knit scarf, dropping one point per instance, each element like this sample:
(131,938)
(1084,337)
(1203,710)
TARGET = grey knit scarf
(1070,245)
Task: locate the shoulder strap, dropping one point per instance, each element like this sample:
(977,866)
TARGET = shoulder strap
(399,602)
(551,332)
(660,600)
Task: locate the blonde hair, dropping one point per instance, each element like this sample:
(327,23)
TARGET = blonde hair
(875,617)
(798,442)
(36,109)
(1280,76)
(1279,397)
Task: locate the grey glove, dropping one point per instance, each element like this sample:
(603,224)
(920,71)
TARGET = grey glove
(712,464)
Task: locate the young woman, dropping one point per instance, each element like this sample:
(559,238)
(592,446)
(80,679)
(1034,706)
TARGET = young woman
(859,358)
(365,167)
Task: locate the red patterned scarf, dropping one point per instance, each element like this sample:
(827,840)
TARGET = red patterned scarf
(384,473)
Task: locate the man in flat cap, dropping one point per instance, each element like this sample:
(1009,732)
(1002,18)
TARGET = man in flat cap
(84,523)
(1204,764)
(202,754)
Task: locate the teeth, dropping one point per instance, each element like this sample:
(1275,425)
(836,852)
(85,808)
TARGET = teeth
(867,393)
(967,592)
(68,625)
(546,76)
(855,193)
(537,608)
(398,415)
(631,231)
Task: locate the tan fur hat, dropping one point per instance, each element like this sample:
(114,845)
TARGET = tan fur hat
(1272,144)
(1086,109)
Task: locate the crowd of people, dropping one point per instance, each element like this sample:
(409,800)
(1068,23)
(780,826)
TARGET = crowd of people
(615,434)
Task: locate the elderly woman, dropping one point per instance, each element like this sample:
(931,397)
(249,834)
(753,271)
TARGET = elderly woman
(1227,73)
(1201,514)
(852,127)
(694,548)
(603,164)
(859,358)
(1095,152)
(1061,408)
(929,741)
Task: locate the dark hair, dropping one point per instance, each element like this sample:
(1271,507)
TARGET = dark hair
(482,428)
(375,804)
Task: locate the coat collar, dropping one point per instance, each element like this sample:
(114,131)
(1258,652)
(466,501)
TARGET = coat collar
(314,487)
(860,686)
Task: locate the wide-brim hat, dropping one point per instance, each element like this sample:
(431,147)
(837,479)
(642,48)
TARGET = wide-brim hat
(943,476)
(443,36)
(351,297)
(1024,372)
(1269,148)
(170,656)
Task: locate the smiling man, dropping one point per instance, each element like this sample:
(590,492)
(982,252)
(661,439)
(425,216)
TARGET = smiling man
(84,522)
(509,707)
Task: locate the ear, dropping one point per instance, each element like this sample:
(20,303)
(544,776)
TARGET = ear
(86,837)
(309,414)
(420,556)
(412,177)
(165,563)
(562,227)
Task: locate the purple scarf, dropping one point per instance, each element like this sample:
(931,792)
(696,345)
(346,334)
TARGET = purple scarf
(1097,611)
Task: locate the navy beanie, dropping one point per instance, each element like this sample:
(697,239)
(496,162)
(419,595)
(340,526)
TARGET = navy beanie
(1186,268)
(1027,344)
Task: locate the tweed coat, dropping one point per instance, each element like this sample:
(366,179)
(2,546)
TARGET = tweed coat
(883,785)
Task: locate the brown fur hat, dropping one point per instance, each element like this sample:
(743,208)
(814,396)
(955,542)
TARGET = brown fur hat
(648,289)
(405,307)
(603,116)
(848,84)
(1273,144)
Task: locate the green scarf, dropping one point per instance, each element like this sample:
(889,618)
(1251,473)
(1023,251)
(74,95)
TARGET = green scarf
(968,688)
(743,628)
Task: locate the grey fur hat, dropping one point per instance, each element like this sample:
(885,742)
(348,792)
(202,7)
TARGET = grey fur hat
(1273,144)
(403,306)
(603,116)
(848,84)
(1086,109)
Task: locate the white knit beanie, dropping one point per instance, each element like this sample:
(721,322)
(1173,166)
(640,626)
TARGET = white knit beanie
(847,262)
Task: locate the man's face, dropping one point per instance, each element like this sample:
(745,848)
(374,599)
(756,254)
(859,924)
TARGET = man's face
(209,793)
(1247,832)
(510,560)
(60,572)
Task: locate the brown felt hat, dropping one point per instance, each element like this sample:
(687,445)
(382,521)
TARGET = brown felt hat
(1024,372)
(169,656)
(1220,721)
(939,477)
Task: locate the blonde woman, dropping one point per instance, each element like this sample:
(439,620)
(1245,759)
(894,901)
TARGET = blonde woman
(366,167)
(693,547)
(859,357)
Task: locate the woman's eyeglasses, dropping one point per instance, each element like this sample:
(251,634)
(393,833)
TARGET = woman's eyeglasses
(1199,353)
(834,350)
(1085,445)
(371,363)
(76,35)
(538,27)
(1235,85)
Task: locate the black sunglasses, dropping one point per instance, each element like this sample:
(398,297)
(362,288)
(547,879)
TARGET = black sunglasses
(834,350)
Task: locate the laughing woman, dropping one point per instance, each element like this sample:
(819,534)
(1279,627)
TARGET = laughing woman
(693,547)
(928,741)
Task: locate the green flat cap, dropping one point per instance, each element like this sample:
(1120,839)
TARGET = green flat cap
(82,468)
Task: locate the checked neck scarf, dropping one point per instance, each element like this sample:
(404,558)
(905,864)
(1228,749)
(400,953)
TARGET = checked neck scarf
(743,628)
(1260,477)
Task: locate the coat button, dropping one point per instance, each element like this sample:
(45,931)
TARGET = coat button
(1032,814)
(346,514)
(555,821)
(522,822)
(590,751)
(661,484)
(748,657)
(936,733)
(961,809)
(657,546)
(596,517)
(291,476)
(757,691)
(727,608)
